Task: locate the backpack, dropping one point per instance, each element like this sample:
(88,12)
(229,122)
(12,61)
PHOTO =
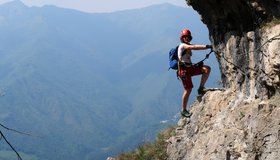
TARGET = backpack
(173,58)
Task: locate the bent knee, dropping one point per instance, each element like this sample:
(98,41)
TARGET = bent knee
(206,69)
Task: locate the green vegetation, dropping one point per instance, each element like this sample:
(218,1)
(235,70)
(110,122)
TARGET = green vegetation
(151,151)
(275,22)
(242,115)
(272,23)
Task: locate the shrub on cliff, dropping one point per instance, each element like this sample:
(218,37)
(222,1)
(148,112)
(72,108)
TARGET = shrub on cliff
(155,150)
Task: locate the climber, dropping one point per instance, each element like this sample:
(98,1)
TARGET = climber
(187,69)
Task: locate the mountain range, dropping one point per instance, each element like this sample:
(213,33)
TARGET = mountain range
(89,85)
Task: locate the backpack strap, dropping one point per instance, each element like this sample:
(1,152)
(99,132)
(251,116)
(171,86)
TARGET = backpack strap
(180,63)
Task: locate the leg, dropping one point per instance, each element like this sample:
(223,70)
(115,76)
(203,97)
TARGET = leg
(205,74)
(185,98)
(187,83)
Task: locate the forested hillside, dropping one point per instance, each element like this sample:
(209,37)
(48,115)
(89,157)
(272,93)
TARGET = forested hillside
(89,85)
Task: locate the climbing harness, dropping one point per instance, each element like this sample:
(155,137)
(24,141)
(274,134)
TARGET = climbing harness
(199,62)
(184,66)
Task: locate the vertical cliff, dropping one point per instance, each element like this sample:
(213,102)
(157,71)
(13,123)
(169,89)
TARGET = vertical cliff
(241,122)
(245,38)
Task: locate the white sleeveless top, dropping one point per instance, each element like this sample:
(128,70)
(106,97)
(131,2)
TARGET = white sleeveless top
(186,58)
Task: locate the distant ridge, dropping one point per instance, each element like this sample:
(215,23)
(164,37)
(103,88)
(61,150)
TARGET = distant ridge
(92,85)
(19,3)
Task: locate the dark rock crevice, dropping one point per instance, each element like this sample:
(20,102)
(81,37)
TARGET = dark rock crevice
(235,15)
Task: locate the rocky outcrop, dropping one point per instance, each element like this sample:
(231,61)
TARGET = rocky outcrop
(250,63)
(240,16)
(243,121)
(246,42)
(223,129)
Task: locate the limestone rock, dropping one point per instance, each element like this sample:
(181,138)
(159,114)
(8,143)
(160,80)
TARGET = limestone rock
(246,39)
(241,122)
(224,129)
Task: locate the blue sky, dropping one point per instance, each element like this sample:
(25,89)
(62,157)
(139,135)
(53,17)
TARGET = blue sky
(99,5)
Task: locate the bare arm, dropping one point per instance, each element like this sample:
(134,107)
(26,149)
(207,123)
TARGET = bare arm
(195,47)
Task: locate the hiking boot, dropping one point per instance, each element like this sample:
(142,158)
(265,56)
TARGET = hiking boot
(186,113)
(201,91)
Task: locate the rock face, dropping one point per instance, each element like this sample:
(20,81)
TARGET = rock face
(250,63)
(242,122)
(235,15)
(246,40)
(222,129)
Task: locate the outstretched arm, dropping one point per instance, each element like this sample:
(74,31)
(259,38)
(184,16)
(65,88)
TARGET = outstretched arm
(197,46)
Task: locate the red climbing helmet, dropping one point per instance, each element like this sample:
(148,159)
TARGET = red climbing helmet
(187,33)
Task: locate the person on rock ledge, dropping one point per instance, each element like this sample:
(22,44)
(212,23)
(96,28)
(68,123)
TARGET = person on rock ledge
(186,69)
